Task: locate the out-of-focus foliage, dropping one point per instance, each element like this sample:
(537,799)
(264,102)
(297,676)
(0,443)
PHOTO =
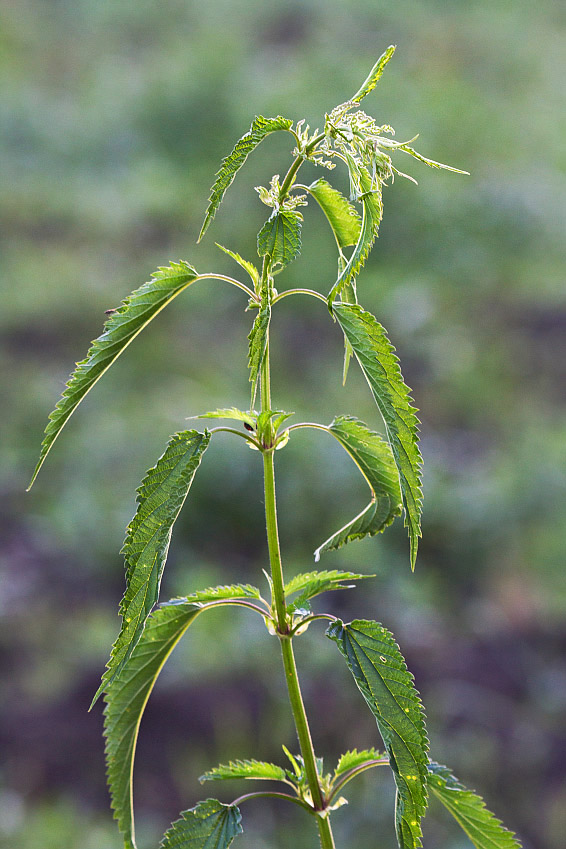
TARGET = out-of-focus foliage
(114,118)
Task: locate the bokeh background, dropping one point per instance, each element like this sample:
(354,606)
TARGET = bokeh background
(113,118)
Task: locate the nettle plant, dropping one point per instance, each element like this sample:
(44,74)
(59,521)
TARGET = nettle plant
(390,462)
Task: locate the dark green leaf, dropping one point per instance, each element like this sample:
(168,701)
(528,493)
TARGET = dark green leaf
(341,215)
(372,214)
(245,769)
(126,698)
(243,263)
(121,328)
(380,365)
(352,760)
(209,825)
(260,128)
(258,338)
(384,681)
(374,459)
(374,75)
(310,584)
(160,498)
(468,809)
(280,238)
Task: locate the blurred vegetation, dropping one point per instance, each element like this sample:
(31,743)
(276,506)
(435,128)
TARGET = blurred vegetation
(113,118)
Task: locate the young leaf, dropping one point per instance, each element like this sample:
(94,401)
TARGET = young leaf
(245,769)
(126,698)
(374,75)
(374,459)
(353,759)
(372,214)
(135,312)
(231,164)
(469,810)
(311,584)
(280,238)
(380,365)
(258,338)
(221,593)
(384,681)
(230,413)
(209,825)
(160,498)
(431,162)
(342,216)
(243,263)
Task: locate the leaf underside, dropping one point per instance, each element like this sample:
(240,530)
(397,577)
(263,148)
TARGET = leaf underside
(280,238)
(209,825)
(311,584)
(342,216)
(231,164)
(352,759)
(135,312)
(469,810)
(160,498)
(245,769)
(375,460)
(126,698)
(380,365)
(384,681)
(371,218)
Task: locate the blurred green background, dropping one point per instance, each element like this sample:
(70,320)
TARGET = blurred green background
(113,118)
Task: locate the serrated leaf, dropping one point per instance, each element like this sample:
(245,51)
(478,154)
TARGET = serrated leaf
(374,75)
(280,238)
(384,681)
(231,164)
(375,460)
(430,162)
(342,216)
(311,584)
(469,810)
(243,263)
(245,769)
(380,365)
(229,413)
(371,218)
(126,698)
(160,497)
(209,825)
(135,312)
(258,338)
(353,759)
(220,593)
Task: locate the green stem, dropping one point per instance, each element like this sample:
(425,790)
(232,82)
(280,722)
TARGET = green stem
(278,592)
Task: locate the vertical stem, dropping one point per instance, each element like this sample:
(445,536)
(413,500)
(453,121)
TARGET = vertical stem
(291,676)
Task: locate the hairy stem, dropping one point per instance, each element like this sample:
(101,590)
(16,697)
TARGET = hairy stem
(278,590)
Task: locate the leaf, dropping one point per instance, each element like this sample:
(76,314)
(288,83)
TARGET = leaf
(245,769)
(374,75)
(230,413)
(371,218)
(374,459)
(220,593)
(160,498)
(469,810)
(342,216)
(431,162)
(247,266)
(353,759)
(380,365)
(310,584)
(231,164)
(126,698)
(280,238)
(384,681)
(258,338)
(135,312)
(209,825)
